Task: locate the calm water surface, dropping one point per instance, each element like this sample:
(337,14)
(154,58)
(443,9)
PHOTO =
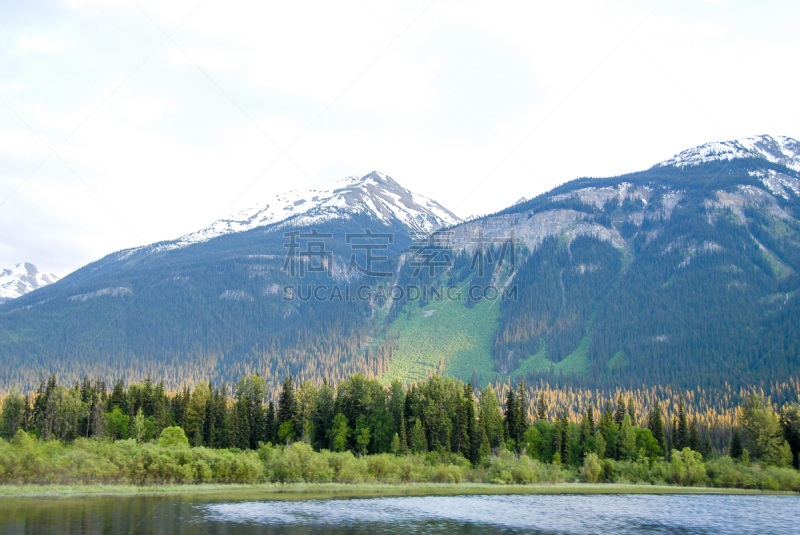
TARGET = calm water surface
(494,514)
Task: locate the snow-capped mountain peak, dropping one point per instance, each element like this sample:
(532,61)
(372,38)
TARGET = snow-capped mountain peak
(21,279)
(781,150)
(374,194)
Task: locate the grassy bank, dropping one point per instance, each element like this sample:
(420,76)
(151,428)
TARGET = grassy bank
(305,491)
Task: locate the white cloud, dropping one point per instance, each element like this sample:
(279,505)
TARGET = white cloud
(40,45)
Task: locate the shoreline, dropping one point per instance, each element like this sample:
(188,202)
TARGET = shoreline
(304,491)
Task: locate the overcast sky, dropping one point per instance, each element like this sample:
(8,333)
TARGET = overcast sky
(165,115)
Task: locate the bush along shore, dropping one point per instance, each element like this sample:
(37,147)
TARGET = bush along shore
(170,460)
(438,431)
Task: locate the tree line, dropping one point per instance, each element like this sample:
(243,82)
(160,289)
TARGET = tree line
(362,416)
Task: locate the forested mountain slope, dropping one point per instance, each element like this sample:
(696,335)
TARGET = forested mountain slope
(684,274)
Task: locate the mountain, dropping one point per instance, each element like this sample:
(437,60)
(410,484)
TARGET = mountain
(685,274)
(375,195)
(210,304)
(22,279)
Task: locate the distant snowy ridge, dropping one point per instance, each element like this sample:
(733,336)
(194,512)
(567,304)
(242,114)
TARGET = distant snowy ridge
(21,279)
(780,150)
(375,194)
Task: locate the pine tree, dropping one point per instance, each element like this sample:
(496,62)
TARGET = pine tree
(461,443)
(619,413)
(609,431)
(11,417)
(510,416)
(655,424)
(118,397)
(485,448)
(521,420)
(587,432)
(209,422)
(287,404)
(340,432)
(694,437)
(148,397)
(419,443)
(682,430)
(472,427)
(221,418)
(160,408)
(240,425)
(86,390)
(403,436)
(564,431)
(627,439)
(269,423)
(541,411)
(736,444)
(632,412)
(707,449)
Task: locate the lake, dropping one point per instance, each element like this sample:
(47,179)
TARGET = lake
(467,514)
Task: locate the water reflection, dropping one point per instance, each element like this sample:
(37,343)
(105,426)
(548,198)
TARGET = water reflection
(496,514)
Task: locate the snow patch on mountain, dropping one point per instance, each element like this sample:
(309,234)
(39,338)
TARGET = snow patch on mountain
(21,279)
(781,150)
(117,291)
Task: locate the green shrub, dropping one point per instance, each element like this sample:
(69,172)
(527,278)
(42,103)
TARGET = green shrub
(592,469)
(173,437)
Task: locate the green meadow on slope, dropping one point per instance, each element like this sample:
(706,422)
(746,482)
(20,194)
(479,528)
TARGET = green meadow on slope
(444,333)
(458,339)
